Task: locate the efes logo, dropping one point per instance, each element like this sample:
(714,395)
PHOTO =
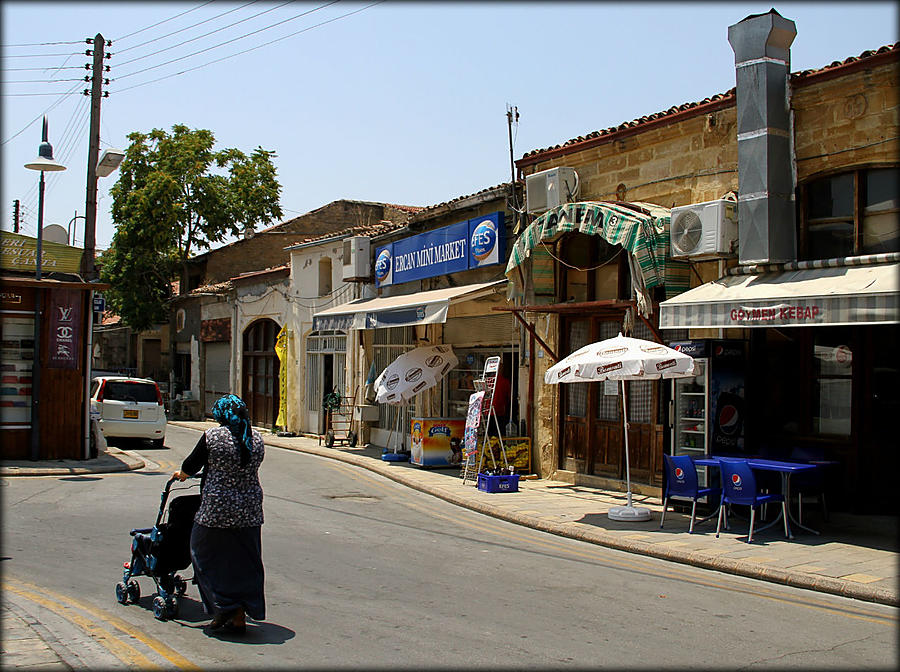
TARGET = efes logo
(667,364)
(433,361)
(383,265)
(484,240)
(392,381)
(606,368)
(413,375)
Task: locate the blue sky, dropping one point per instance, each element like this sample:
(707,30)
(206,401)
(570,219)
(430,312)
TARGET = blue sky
(397,102)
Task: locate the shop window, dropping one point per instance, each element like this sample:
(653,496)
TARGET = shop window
(608,396)
(833,378)
(576,393)
(16,362)
(852,213)
(590,268)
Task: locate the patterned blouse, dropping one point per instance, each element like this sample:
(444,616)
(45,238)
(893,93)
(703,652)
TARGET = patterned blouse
(231,494)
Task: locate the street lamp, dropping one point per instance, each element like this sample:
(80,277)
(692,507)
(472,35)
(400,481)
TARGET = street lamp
(44,162)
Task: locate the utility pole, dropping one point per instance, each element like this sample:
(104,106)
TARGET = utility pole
(88,270)
(16,216)
(512,115)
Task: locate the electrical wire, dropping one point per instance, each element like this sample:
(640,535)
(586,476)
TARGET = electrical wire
(51,107)
(37,44)
(67,67)
(37,55)
(222,44)
(159,23)
(181,30)
(259,46)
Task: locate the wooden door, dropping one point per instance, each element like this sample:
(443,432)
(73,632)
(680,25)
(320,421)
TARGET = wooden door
(261,370)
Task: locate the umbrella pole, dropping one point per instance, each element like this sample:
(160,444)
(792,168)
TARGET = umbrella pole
(627,460)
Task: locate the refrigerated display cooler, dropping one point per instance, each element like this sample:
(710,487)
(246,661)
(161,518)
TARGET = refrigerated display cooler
(708,409)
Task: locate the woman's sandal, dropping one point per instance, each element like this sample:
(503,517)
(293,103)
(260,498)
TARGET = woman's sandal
(221,619)
(237,624)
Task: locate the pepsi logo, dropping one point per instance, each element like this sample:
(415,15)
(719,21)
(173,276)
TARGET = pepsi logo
(679,473)
(392,381)
(413,375)
(383,265)
(729,419)
(484,240)
(736,480)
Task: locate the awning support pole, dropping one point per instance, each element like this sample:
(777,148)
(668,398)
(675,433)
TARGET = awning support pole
(530,329)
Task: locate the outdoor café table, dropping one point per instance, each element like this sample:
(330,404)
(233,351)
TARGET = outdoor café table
(782,467)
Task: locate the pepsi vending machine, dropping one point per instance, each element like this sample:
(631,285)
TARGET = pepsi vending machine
(707,415)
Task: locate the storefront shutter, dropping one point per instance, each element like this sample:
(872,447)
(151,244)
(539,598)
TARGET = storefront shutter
(485,330)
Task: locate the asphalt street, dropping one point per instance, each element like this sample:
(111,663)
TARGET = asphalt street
(365,573)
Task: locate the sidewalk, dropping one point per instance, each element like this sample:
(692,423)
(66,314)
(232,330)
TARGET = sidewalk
(855,556)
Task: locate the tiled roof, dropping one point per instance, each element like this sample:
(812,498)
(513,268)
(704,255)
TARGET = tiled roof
(371,230)
(214,288)
(460,199)
(718,100)
(284,269)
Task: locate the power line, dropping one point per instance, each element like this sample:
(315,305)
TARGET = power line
(62,67)
(159,23)
(245,51)
(37,44)
(234,39)
(36,55)
(52,106)
(181,30)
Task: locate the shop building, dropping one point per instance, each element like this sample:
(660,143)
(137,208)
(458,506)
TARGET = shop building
(838,150)
(436,282)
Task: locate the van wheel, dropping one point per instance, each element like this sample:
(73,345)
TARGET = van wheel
(352,438)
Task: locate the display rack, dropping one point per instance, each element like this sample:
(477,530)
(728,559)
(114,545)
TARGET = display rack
(474,461)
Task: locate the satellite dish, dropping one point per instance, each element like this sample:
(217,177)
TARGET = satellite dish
(55,233)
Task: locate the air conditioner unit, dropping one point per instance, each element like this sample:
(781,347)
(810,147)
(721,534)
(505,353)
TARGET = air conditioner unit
(357,264)
(707,230)
(550,188)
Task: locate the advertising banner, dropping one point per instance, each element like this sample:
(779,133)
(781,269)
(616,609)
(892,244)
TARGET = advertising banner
(281,353)
(65,329)
(436,442)
(476,242)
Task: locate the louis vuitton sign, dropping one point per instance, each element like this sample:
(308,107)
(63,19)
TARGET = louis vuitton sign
(65,329)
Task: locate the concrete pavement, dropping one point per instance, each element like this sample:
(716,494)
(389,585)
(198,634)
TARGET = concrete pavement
(855,556)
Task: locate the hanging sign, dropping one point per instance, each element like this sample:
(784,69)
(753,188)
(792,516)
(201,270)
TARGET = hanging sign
(65,329)
(473,243)
(19,253)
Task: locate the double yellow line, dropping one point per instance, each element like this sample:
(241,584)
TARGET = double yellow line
(101,626)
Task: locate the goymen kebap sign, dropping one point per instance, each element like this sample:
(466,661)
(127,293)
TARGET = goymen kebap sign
(471,244)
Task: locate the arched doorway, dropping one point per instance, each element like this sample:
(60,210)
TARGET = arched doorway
(260,372)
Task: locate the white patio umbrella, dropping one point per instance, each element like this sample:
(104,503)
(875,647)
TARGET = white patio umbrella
(412,372)
(622,358)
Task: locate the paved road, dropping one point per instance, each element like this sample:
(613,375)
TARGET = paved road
(364,573)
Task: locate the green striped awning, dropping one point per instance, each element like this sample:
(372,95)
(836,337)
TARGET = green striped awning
(644,234)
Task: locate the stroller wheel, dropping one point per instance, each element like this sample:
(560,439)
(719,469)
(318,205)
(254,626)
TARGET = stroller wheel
(134,590)
(121,593)
(171,608)
(159,608)
(180,585)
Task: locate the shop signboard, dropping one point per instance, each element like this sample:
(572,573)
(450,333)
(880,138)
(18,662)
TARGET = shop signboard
(19,253)
(473,243)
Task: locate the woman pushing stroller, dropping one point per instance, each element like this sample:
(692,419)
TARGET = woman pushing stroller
(226,544)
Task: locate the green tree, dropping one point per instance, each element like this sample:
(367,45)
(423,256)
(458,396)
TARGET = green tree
(176,196)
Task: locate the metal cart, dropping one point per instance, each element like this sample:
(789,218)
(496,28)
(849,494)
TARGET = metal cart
(339,419)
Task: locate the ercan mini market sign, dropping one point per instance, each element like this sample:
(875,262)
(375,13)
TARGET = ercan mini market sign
(459,247)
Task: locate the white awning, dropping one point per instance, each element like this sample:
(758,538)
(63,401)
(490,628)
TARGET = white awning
(400,311)
(807,297)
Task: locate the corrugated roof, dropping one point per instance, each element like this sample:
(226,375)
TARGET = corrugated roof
(718,100)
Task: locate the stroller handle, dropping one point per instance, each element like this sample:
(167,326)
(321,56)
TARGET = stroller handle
(165,495)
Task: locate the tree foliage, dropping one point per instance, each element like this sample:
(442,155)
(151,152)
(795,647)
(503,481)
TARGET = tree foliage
(176,196)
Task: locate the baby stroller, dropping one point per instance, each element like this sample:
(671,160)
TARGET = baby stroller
(159,552)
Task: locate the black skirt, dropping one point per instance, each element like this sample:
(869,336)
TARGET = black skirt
(229,570)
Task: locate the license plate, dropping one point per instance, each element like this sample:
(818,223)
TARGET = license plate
(130,414)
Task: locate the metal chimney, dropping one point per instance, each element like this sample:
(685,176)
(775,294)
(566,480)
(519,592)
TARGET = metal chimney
(762,60)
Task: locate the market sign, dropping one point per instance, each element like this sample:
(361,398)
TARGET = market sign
(459,247)
(19,253)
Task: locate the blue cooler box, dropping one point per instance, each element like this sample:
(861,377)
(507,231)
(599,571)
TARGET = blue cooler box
(501,483)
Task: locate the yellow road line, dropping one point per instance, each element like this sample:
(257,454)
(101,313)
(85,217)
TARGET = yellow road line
(645,565)
(116,646)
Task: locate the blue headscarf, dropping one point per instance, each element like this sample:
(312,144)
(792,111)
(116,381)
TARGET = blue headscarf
(230,411)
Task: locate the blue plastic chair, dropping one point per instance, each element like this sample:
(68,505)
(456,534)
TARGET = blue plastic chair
(681,483)
(739,487)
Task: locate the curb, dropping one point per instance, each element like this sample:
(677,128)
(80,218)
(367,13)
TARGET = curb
(114,460)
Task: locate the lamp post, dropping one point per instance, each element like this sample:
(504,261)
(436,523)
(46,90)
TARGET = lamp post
(44,162)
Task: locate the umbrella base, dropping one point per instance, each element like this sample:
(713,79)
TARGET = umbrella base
(628,513)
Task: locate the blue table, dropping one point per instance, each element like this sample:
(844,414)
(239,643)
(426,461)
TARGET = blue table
(784,468)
